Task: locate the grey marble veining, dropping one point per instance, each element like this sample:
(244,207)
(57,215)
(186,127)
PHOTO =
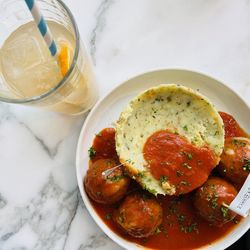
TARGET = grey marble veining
(40,206)
(99,26)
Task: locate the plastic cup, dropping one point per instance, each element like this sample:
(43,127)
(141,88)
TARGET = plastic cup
(26,70)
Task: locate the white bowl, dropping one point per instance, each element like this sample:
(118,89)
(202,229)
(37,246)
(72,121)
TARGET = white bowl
(107,111)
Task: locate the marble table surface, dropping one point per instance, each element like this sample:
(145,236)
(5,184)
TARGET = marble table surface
(40,206)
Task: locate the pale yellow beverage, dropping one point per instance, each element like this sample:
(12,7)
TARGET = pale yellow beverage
(29,70)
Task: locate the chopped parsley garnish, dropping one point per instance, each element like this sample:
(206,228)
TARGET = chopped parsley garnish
(186,165)
(181,217)
(185,183)
(163,178)
(92,152)
(214,203)
(239,143)
(158,230)
(224,211)
(115,178)
(190,228)
(108,216)
(163,230)
(188,155)
(173,210)
(152,191)
(246,166)
(169,98)
(159,99)
(216,132)
(185,128)
(140,175)
(179,173)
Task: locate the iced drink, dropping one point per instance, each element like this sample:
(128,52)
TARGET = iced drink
(28,70)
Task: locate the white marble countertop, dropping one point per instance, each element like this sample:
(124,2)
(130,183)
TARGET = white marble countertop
(40,207)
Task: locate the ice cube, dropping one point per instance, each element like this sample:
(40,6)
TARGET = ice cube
(21,54)
(39,79)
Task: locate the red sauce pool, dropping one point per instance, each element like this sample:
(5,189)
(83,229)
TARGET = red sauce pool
(181,163)
(182,228)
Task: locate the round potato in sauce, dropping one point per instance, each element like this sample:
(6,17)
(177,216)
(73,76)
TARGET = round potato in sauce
(212,200)
(139,215)
(109,188)
(235,160)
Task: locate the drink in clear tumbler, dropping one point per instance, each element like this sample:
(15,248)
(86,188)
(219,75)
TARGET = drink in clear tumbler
(28,72)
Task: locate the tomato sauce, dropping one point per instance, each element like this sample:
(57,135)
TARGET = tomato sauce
(172,158)
(182,228)
(232,128)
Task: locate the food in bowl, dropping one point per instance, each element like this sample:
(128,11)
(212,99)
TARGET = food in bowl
(235,163)
(139,215)
(212,199)
(171,220)
(169,118)
(106,190)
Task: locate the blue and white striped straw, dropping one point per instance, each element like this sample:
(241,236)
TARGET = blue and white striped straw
(42,25)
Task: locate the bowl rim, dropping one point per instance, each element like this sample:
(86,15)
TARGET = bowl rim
(220,243)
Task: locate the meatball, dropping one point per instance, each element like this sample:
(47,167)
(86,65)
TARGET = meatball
(109,188)
(235,160)
(212,200)
(231,126)
(139,215)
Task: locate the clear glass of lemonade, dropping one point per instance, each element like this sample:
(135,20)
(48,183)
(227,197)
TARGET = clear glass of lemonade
(29,74)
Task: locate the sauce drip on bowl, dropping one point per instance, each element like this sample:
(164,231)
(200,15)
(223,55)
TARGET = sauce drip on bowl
(174,159)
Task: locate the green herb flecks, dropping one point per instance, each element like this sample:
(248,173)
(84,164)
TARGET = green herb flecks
(216,132)
(188,155)
(92,152)
(179,173)
(214,203)
(108,216)
(163,179)
(158,230)
(190,228)
(115,178)
(224,211)
(185,128)
(238,143)
(186,165)
(181,218)
(246,166)
(185,183)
